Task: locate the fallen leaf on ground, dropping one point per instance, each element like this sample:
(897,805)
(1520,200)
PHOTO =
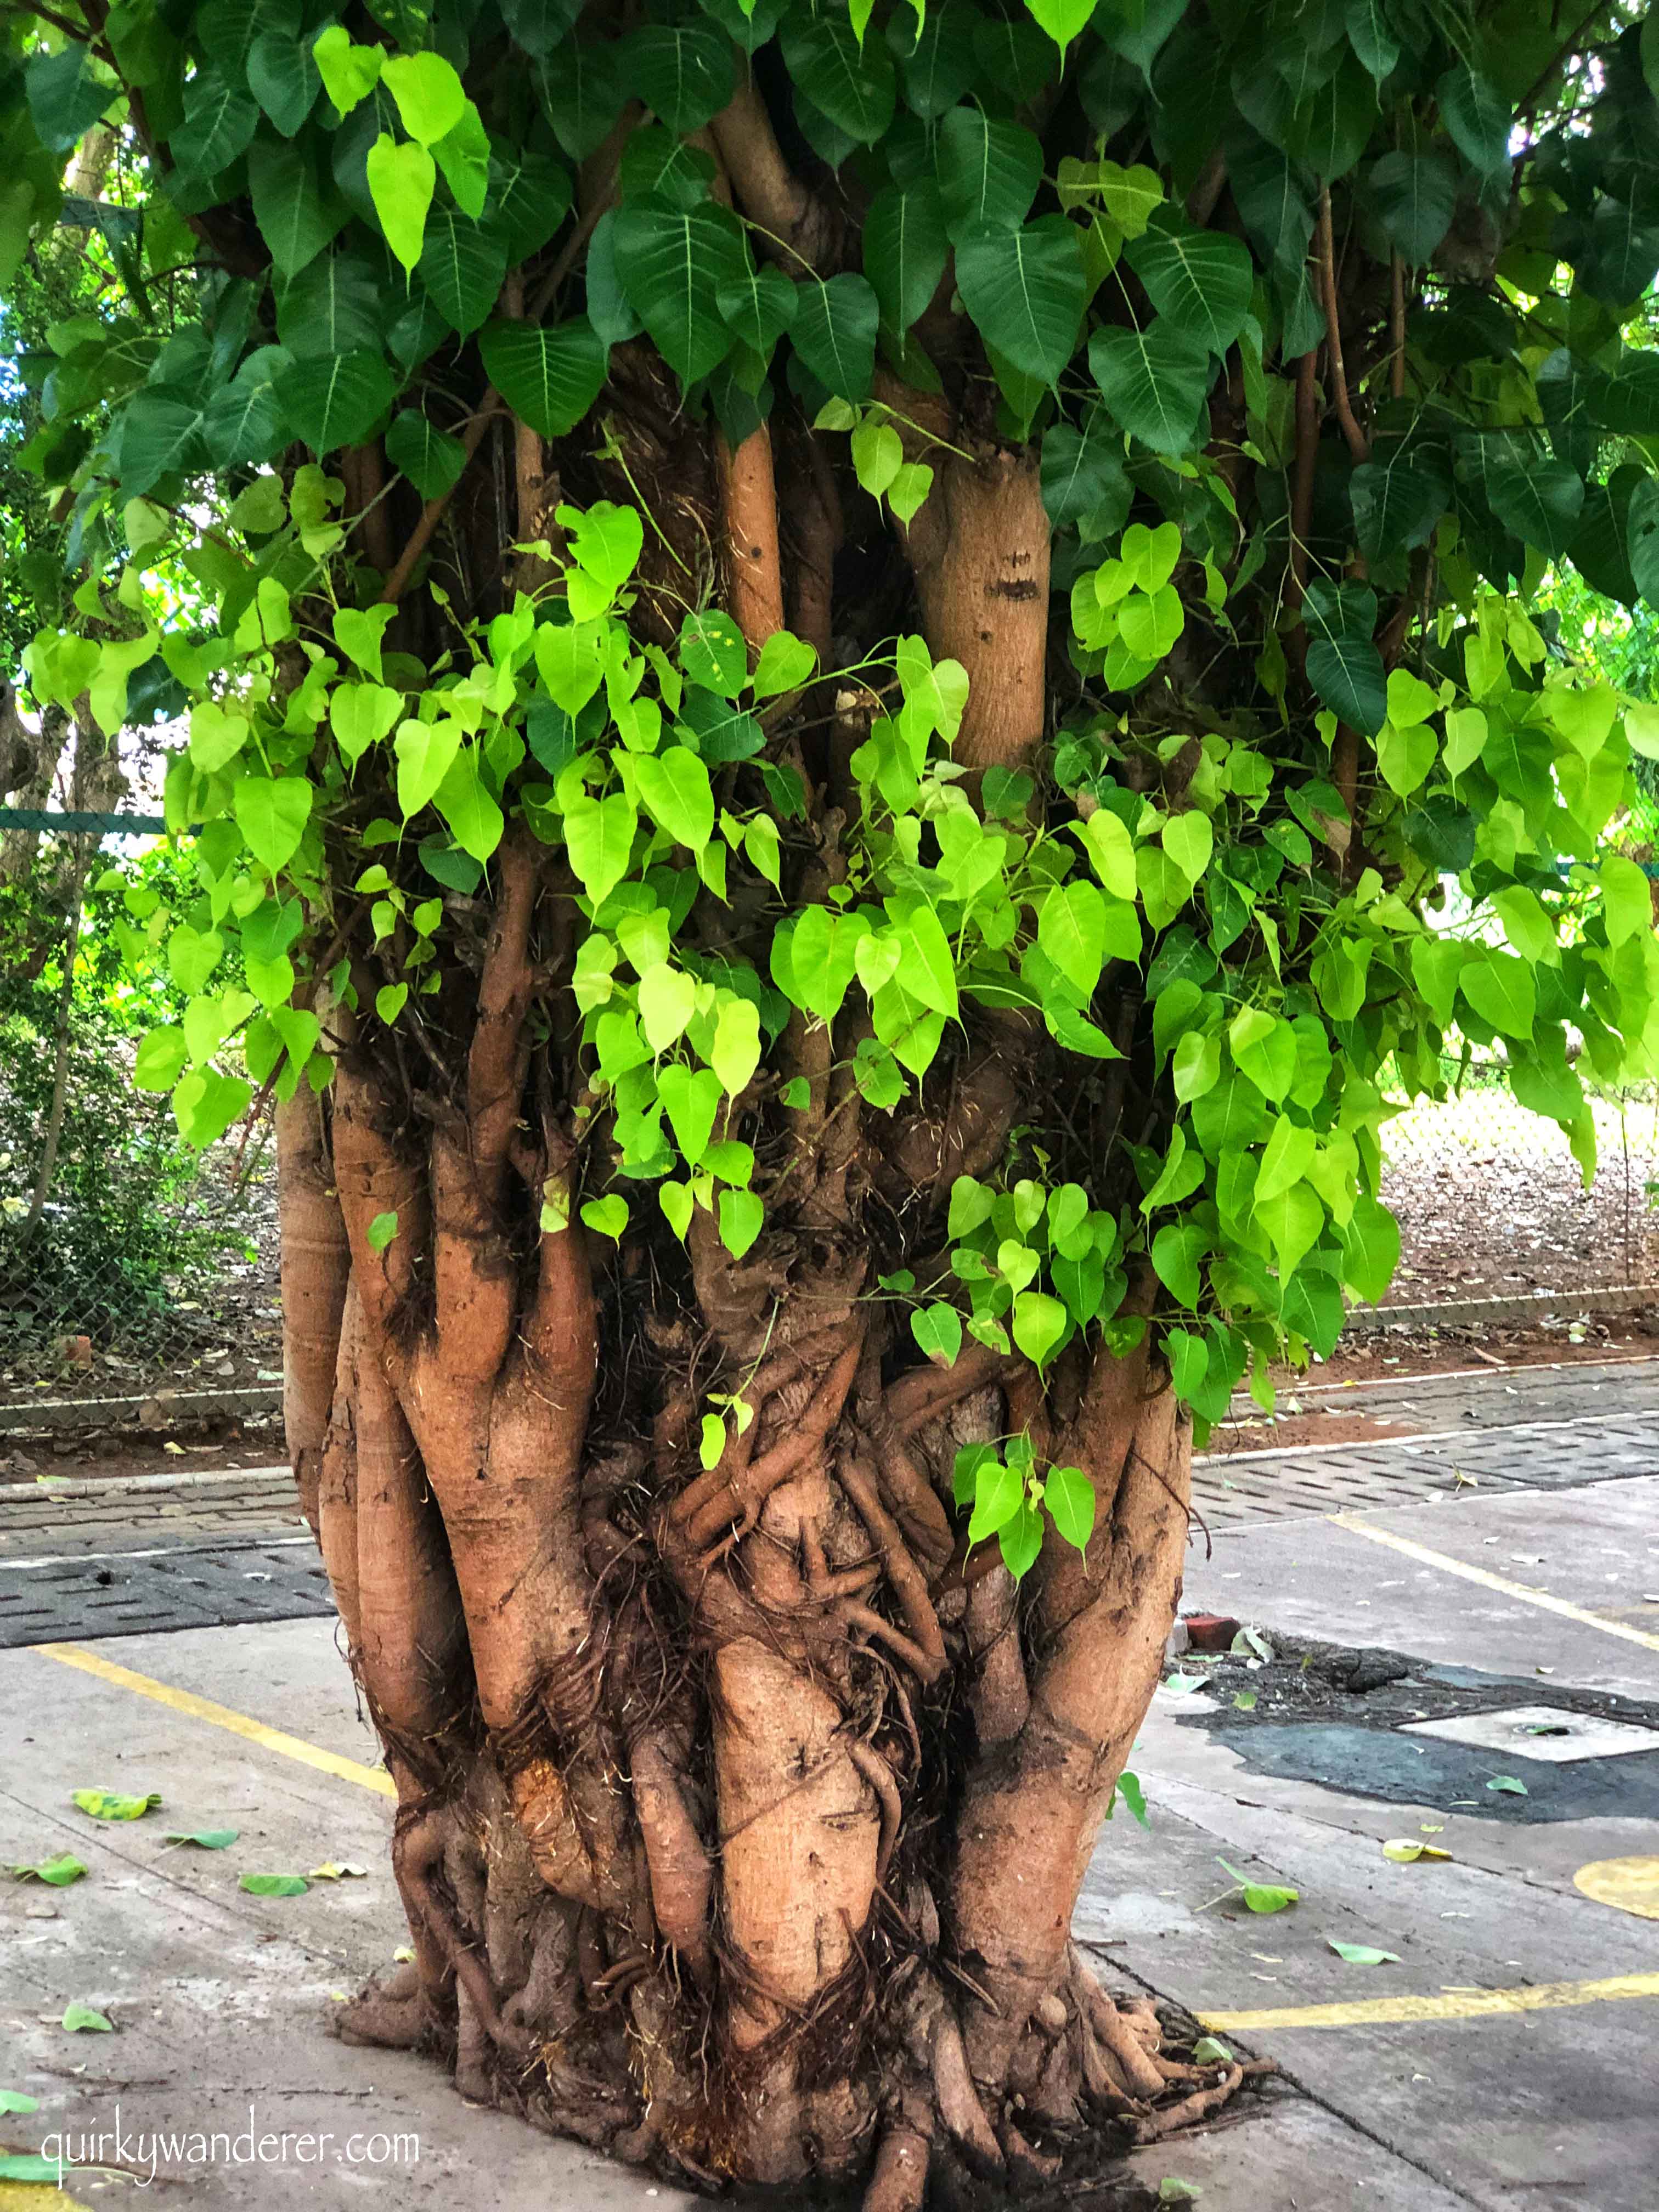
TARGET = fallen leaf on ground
(1210,2051)
(205,1839)
(78,2017)
(1174,2190)
(1507,1782)
(336,1870)
(1184,1685)
(1362,1955)
(1405,1849)
(274,1885)
(13,2100)
(114,1804)
(1262,1896)
(56,1873)
(1244,1701)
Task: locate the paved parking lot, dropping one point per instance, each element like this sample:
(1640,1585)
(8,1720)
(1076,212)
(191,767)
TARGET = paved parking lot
(1501,2059)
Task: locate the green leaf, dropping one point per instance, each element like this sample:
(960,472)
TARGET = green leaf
(1071,931)
(272,813)
(1070,1498)
(67,93)
(429,92)
(1039,1323)
(401,180)
(759,305)
(431,459)
(114,1804)
(1262,1896)
(462,266)
(1501,990)
(735,1052)
(834,334)
(1508,1785)
(1362,1955)
(159,434)
(937,1330)
(600,836)
(1415,195)
(998,1494)
(683,75)
(549,378)
(218,125)
(283,77)
(1083,473)
(1477,118)
(56,1873)
(296,218)
(1172,2190)
(673,263)
(607,1216)
(1025,290)
(1541,500)
(854,89)
(335,400)
(1153,383)
(204,1839)
(905,249)
(1175,1252)
(1200,281)
(1371,1247)
(675,790)
(82,2019)
(1344,665)
(13,2100)
(741,1217)
(988,171)
(1395,505)
(349,72)
(786,663)
(475,820)
(381,1231)
(274,1885)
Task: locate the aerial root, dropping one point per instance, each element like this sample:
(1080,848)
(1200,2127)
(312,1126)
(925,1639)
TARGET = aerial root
(389,2014)
(900,2179)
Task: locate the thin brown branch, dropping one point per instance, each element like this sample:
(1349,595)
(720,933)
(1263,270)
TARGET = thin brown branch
(1358,446)
(1396,325)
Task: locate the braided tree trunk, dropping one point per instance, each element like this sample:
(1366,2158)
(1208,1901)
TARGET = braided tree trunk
(741,1811)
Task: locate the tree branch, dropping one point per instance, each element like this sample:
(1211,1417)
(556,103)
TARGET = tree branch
(1358,445)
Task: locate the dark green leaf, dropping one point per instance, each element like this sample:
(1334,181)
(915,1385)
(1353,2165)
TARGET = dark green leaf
(1083,473)
(548,378)
(243,422)
(940,67)
(335,400)
(855,90)
(539,26)
(432,462)
(282,74)
(905,250)
(462,266)
(1154,382)
(1541,500)
(336,305)
(672,263)
(1344,665)
(529,198)
(160,434)
(682,74)
(834,334)
(219,123)
(1395,505)
(988,171)
(67,94)
(760,306)
(1372,36)
(1477,118)
(1415,195)
(584,92)
(1200,281)
(1025,291)
(296,215)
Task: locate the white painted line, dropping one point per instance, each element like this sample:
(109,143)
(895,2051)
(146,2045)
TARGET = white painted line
(205,1542)
(1421,1439)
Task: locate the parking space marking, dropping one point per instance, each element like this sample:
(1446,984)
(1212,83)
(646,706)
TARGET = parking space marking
(1459,2004)
(204,1708)
(1501,1583)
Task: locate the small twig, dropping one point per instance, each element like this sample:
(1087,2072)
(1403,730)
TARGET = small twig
(1358,445)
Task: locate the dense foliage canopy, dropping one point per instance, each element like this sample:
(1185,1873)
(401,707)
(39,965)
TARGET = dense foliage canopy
(1309,315)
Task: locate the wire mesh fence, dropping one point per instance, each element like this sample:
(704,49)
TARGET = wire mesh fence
(1492,1202)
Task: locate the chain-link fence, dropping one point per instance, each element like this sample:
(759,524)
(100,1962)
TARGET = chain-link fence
(1493,1204)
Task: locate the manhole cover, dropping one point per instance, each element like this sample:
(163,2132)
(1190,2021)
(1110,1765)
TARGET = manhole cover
(1540,1732)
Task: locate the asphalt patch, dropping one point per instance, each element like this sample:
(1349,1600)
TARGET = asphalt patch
(1330,1714)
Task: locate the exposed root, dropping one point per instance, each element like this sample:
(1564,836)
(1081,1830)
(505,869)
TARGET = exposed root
(1154,2126)
(390,2015)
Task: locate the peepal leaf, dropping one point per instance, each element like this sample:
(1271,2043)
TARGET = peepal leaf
(1262,1896)
(113,1805)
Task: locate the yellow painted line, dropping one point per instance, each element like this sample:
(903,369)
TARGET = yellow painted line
(1463,2004)
(1501,1583)
(204,1708)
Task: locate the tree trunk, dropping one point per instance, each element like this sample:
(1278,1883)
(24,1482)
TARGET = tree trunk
(740,1819)
(742,1809)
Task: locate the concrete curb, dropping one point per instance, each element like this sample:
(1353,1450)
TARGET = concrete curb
(178,1407)
(1452,1313)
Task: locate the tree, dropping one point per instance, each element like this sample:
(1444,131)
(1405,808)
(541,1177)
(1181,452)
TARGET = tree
(851,645)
